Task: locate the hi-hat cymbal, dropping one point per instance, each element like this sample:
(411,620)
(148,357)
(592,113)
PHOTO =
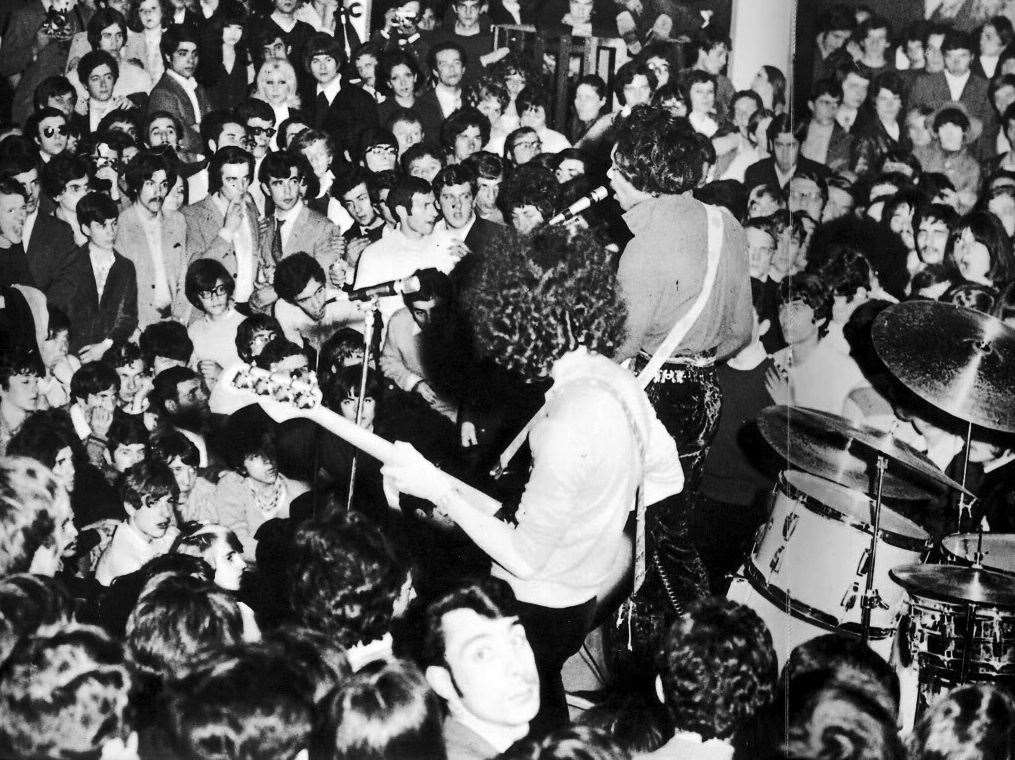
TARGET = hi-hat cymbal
(833,448)
(960,360)
(954,583)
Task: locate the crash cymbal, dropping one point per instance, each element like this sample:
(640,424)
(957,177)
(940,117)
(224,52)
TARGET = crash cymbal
(954,583)
(960,360)
(830,447)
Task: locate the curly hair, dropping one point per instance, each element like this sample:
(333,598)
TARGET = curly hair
(530,185)
(539,297)
(64,695)
(574,743)
(718,668)
(344,579)
(976,721)
(30,603)
(29,513)
(657,152)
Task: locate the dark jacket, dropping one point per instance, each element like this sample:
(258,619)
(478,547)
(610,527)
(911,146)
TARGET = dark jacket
(763,172)
(114,315)
(50,252)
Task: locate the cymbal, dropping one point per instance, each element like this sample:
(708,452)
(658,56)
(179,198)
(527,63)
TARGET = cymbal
(825,445)
(960,360)
(954,583)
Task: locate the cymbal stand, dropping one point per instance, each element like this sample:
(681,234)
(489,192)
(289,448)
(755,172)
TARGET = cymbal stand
(871,597)
(965,507)
(370,325)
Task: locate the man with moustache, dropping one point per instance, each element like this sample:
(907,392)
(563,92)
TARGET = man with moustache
(154,239)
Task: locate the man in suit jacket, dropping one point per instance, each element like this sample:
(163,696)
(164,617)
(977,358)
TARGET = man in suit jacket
(47,241)
(291,228)
(100,296)
(780,167)
(344,111)
(177,91)
(154,240)
(958,83)
(224,225)
(461,228)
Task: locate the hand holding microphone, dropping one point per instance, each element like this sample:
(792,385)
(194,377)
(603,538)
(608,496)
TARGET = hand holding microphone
(582,204)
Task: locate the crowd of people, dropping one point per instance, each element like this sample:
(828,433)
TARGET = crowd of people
(191,189)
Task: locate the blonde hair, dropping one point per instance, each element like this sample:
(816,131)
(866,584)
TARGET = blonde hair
(284,68)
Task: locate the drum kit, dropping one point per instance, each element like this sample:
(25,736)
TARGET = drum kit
(832,557)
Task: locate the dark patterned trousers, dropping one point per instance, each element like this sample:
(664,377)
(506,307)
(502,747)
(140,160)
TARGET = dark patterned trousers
(687,400)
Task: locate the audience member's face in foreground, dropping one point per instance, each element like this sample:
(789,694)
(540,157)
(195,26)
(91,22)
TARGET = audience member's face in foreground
(152,518)
(491,672)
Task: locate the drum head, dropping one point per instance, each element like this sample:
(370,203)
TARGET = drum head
(853,506)
(998,549)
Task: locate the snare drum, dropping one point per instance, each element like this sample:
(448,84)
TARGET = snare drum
(812,555)
(998,550)
(955,643)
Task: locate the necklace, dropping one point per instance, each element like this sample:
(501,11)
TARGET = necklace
(267,499)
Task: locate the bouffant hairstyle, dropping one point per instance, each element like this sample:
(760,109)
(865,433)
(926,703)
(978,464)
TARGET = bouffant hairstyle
(28,513)
(972,721)
(386,711)
(541,296)
(64,695)
(574,743)
(91,61)
(344,579)
(717,667)
(203,276)
(530,185)
(179,621)
(850,662)
(250,703)
(827,720)
(143,167)
(28,603)
(146,483)
(988,230)
(809,288)
(657,152)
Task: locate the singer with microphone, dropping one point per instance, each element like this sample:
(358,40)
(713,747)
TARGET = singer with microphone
(685,282)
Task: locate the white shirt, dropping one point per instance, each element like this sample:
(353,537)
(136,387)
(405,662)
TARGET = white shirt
(552,140)
(450,100)
(152,229)
(395,256)
(26,231)
(302,330)
(288,220)
(330,89)
(243,247)
(587,467)
(447,235)
(215,341)
(956,84)
(130,550)
(989,63)
(189,86)
(285,24)
(102,262)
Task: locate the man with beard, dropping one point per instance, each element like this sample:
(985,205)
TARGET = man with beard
(154,240)
(180,400)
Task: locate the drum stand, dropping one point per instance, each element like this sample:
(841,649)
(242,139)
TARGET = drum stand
(871,597)
(967,506)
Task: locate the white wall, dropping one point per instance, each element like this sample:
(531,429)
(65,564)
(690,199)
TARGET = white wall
(762,34)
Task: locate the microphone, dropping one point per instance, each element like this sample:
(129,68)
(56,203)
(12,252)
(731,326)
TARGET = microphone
(409,284)
(583,203)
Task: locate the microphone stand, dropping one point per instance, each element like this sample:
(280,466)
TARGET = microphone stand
(370,326)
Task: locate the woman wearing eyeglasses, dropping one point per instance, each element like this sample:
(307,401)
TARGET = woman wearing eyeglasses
(209,288)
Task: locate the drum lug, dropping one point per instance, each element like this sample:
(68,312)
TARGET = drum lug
(759,539)
(861,566)
(848,600)
(776,562)
(789,525)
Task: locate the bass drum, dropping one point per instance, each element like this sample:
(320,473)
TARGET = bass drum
(998,550)
(811,557)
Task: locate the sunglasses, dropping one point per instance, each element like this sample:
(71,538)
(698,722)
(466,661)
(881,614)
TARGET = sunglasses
(269,131)
(48,132)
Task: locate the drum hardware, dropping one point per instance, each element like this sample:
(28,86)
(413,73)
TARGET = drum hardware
(871,598)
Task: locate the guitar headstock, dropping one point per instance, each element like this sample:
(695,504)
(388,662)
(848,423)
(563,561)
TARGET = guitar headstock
(282,396)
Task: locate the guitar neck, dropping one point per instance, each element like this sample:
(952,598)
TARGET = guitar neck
(385,451)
